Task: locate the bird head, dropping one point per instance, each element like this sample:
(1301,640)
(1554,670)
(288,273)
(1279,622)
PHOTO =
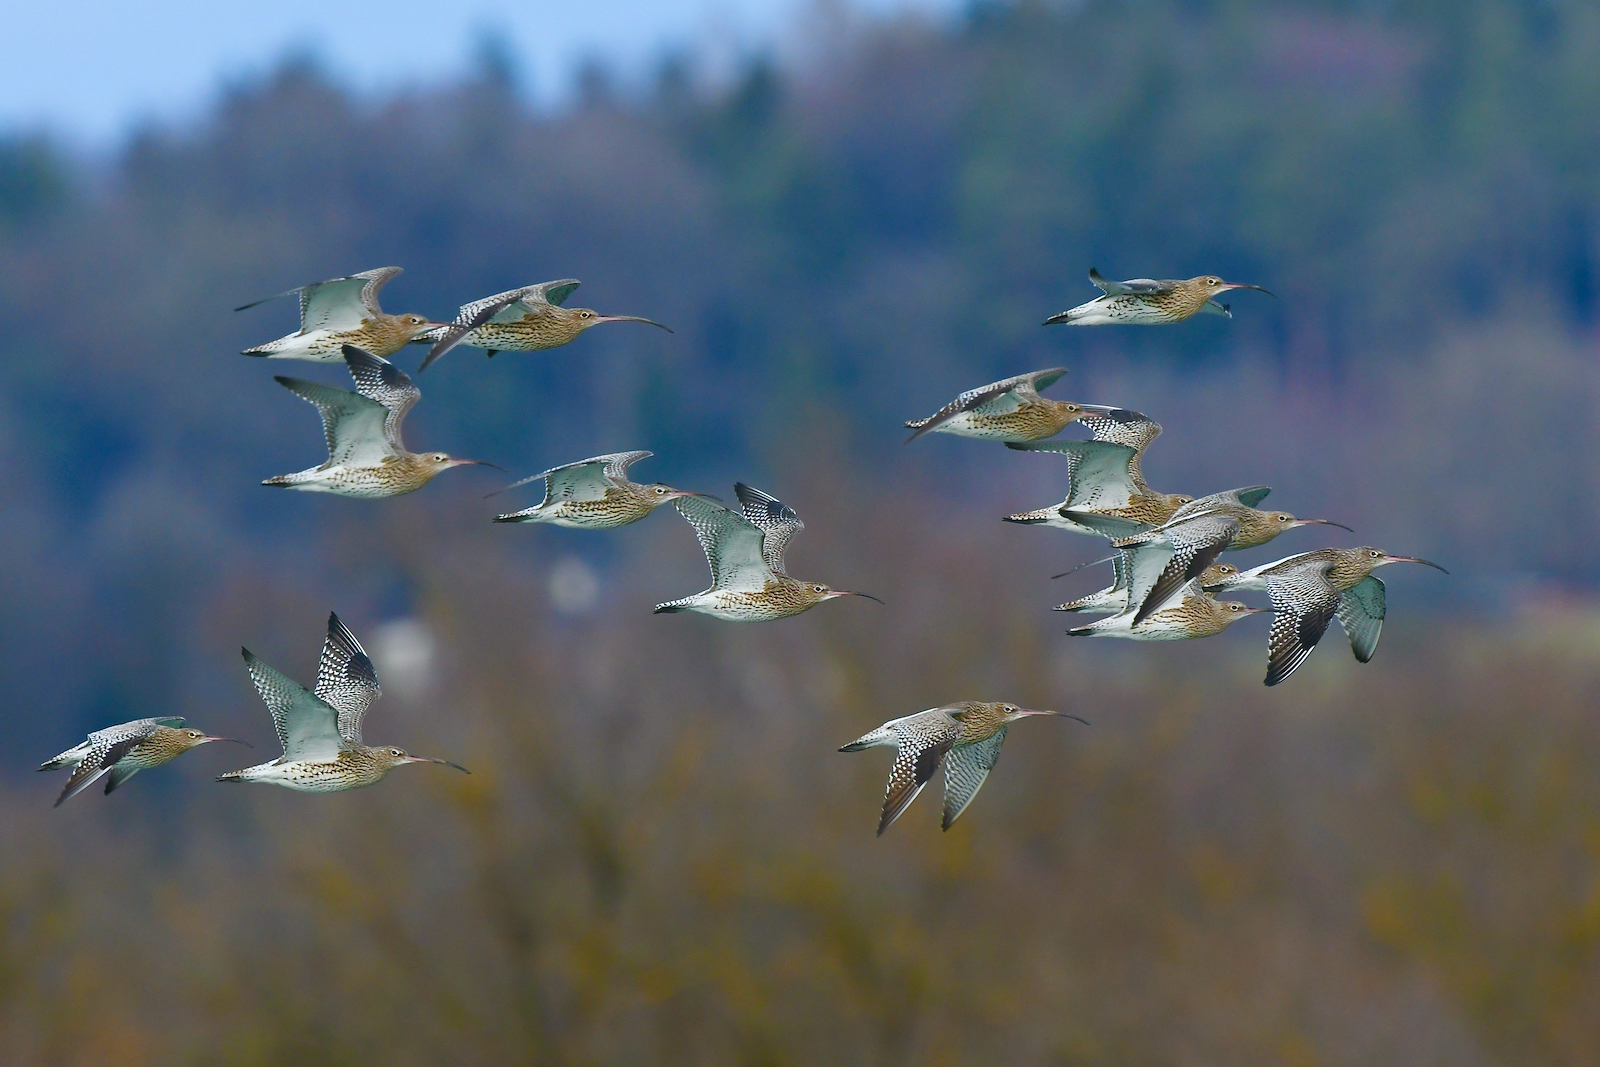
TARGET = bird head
(1218,574)
(1279,521)
(816,593)
(1211,285)
(188,739)
(1011,713)
(581,319)
(1228,612)
(390,758)
(1369,559)
(413,325)
(439,461)
(658,493)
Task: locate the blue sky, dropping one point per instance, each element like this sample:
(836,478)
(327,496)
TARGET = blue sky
(87,69)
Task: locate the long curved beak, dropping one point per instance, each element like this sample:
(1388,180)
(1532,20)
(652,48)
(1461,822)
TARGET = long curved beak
(845,592)
(1413,559)
(207,739)
(1321,522)
(1062,714)
(630,318)
(676,493)
(1257,288)
(428,759)
(478,463)
(1257,611)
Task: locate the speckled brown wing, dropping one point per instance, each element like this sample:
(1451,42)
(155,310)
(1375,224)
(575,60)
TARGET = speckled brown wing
(382,382)
(1361,612)
(308,728)
(100,759)
(353,426)
(996,398)
(346,681)
(922,742)
(776,520)
(1303,604)
(342,303)
(966,767)
(1196,543)
(1120,426)
(734,546)
(1099,473)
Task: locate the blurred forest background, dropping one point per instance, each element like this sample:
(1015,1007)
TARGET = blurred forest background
(659,858)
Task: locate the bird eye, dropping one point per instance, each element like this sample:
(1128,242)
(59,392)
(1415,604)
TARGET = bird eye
(818,588)
(396,752)
(660,490)
(440,457)
(585,314)
(194,733)
(1374,554)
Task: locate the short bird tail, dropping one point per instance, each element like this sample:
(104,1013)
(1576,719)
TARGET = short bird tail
(1029,518)
(669,608)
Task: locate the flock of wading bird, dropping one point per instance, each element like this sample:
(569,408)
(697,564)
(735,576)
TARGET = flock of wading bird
(1166,563)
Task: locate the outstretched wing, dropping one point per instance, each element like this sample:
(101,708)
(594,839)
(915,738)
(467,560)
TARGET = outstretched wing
(308,728)
(1303,604)
(1361,612)
(1120,426)
(1137,286)
(777,521)
(352,424)
(996,398)
(381,381)
(346,681)
(584,479)
(922,742)
(1100,474)
(1248,497)
(105,749)
(342,303)
(1196,543)
(513,305)
(965,769)
(732,544)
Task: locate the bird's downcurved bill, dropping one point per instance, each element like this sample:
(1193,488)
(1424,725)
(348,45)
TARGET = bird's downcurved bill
(847,592)
(429,759)
(1026,711)
(1257,288)
(1415,559)
(632,318)
(1323,522)
(479,463)
(235,740)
